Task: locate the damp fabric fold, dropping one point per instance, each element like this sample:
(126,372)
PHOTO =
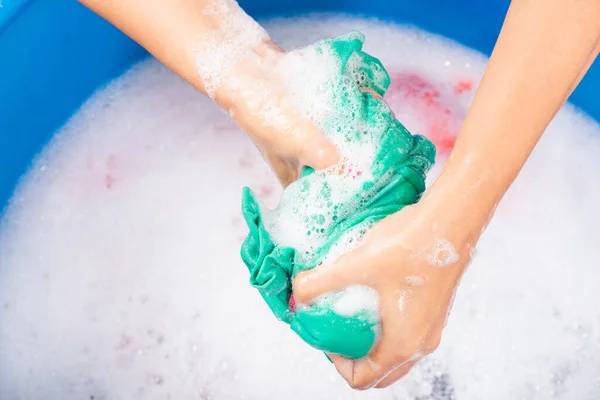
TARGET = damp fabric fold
(396,179)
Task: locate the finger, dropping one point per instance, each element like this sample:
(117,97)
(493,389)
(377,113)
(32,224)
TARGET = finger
(345,368)
(318,152)
(343,365)
(371,372)
(396,374)
(327,278)
(377,96)
(371,92)
(430,344)
(397,347)
(309,145)
(284,171)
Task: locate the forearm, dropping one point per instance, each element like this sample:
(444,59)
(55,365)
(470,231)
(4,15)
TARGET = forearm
(544,49)
(178,32)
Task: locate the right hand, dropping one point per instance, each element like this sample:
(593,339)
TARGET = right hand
(414,259)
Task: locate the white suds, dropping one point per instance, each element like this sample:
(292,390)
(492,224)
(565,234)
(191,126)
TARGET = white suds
(402,299)
(414,280)
(473,253)
(120,275)
(442,254)
(355,299)
(220,50)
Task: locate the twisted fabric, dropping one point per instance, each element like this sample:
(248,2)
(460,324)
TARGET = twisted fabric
(396,179)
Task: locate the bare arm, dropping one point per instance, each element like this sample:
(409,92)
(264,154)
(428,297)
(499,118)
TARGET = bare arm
(221,51)
(542,53)
(173,31)
(544,49)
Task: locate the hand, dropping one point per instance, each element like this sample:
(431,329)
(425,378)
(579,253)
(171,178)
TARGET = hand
(414,261)
(258,99)
(236,71)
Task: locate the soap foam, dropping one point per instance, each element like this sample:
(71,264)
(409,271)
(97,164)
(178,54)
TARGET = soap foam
(442,254)
(402,299)
(414,280)
(355,299)
(349,240)
(120,276)
(220,50)
(310,208)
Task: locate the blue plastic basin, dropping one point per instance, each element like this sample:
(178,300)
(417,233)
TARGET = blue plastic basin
(55,53)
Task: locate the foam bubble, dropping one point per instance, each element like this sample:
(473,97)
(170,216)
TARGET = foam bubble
(220,50)
(473,252)
(127,230)
(402,299)
(355,299)
(309,209)
(414,280)
(442,254)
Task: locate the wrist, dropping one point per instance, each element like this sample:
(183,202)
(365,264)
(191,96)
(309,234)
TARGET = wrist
(464,198)
(255,67)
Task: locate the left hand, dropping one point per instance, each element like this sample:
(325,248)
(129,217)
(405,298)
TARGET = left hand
(259,100)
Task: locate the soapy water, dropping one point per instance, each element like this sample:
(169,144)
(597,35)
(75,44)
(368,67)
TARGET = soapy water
(120,276)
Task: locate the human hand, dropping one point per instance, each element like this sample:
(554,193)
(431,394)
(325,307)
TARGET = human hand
(414,259)
(260,101)
(216,47)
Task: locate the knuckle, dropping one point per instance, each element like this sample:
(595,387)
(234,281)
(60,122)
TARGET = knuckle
(301,290)
(434,343)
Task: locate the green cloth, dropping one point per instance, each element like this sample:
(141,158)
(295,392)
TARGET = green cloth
(397,179)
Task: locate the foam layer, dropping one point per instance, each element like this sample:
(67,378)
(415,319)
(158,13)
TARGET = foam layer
(221,49)
(118,255)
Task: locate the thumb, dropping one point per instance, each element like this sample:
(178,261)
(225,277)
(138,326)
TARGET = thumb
(324,279)
(318,152)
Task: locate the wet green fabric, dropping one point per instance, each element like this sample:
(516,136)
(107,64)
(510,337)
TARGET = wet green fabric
(398,179)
